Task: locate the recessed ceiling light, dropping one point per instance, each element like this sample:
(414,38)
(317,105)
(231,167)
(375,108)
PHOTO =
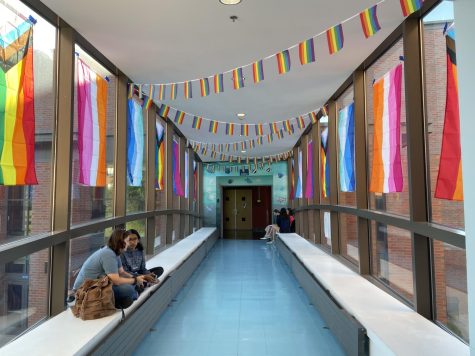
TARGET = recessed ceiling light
(230,2)
(241,115)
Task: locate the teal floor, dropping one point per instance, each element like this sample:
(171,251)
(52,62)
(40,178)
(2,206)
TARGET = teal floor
(242,300)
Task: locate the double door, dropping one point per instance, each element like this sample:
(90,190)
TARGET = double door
(237,213)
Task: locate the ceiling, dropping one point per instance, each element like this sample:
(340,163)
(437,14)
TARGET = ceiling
(175,40)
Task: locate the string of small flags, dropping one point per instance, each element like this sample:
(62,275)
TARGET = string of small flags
(254,162)
(335,38)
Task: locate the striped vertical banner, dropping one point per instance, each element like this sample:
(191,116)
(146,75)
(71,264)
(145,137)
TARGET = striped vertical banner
(229,129)
(218,83)
(245,130)
(309,178)
(213,126)
(258,71)
(409,6)
(188,89)
(335,38)
(307,51)
(135,144)
(259,130)
(369,21)
(300,122)
(386,173)
(197,122)
(292,179)
(92,104)
(238,78)
(298,189)
(162,92)
(159,156)
(179,117)
(149,100)
(187,174)
(164,110)
(286,125)
(270,137)
(346,139)
(313,117)
(204,86)
(176,171)
(173,91)
(283,61)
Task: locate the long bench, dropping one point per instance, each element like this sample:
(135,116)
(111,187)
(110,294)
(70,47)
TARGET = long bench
(353,307)
(65,334)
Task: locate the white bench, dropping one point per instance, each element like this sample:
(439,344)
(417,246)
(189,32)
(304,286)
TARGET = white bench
(391,326)
(65,334)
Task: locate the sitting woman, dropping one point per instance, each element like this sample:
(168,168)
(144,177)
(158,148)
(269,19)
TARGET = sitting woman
(106,262)
(133,258)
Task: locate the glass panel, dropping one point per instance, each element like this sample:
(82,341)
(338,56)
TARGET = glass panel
(346,197)
(450,269)
(26,210)
(397,203)
(94,202)
(177,228)
(349,237)
(444,211)
(309,215)
(391,258)
(326,229)
(24,294)
(160,231)
(140,226)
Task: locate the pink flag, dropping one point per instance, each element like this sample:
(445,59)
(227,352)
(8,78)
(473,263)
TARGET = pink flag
(309,182)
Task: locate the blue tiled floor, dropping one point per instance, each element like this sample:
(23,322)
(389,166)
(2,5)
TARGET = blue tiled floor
(242,300)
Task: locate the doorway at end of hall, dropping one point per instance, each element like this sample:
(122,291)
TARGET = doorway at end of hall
(246,211)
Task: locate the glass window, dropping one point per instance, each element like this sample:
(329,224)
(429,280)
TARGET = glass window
(93,200)
(349,237)
(160,231)
(23,294)
(447,206)
(394,202)
(326,229)
(309,215)
(450,274)
(391,258)
(26,210)
(347,186)
(177,233)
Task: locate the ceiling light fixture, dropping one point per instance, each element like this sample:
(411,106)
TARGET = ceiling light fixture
(241,116)
(243,151)
(230,2)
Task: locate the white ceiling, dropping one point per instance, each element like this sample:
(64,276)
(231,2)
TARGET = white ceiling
(176,40)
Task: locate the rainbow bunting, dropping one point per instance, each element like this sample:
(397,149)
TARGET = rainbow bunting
(164,110)
(279,134)
(286,125)
(238,78)
(243,145)
(204,85)
(149,100)
(245,130)
(324,164)
(259,130)
(235,146)
(130,92)
(259,140)
(204,150)
(213,126)
(313,117)
(386,173)
(252,144)
(409,6)
(309,178)
(283,61)
(369,21)
(162,92)
(135,144)
(273,127)
(300,122)
(270,138)
(197,122)
(335,38)
(230,129)
(17,113)
(179,117)
(223,157)
(159,157)
(307,51)
(258,71)
(218,83)
(188,89)
(227,147)
(176,171)
(213,154)
(92,104)
(173,91)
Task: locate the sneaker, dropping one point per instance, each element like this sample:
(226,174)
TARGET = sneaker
(264,238)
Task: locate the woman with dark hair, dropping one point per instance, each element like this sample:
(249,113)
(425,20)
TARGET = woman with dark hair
(133,258)
(283,221)
(290,212)
(106,262)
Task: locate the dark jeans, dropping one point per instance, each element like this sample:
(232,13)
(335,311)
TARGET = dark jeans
(124,295)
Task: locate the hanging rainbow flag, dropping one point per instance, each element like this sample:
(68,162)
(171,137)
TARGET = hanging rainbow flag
(449,179)
(176,172)
(244,145)
(346,156)
(286,125)
(324,164)
(204,150)
(227,147)
(235,146)
(218,83)
(252,144)
(307,51)
(17,110)
(197,122)
(300,122)
(195,180)
(162,92)
(273,127)
(245,130)
(92,107)
(213,126)
(204,85)
(409,6)
(313,117)
(283,61)
(258,71)
(238,78)
(188,89)
(259,140)
(164,110)
(386,173)
(369,21)
(270,138)
(309,179)
(173,91)
(130,92)
(135,144)
(292,180)
(159,156)
(280,134)
(149,100)
(259,130)
(335,38)
(187,173)
(230,129)
(179,117)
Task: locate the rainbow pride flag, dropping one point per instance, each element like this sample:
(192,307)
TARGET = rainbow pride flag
(130,91)
(259,140)
(238,78)
(187,173)
(162,92)
(409,6)
(173,91)
(204,85)
(335,38)
(259,130)
(258,71)
(309,179)
(218,83)
(243,145)
(188,90)
(273,127)
(164,110)
(300,122)
(324,164)
(283,61)
(197,122)
(386,173)
(179,117)
(135,144)
(286,125)
(149,100)
(307,51)
(245,130)
(176,171)
(213,126)
(17,110)
(235,146)
(92,107)
(313,117)
(159,156)
(229,129)
(369,21)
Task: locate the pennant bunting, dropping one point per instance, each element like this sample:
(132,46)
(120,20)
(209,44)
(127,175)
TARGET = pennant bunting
(286,125)
(149,100)
(346,139)
(259,140)
(335,38)
(188,90)
(218,83)
(409,6)
(164,110)
(386,174)
(92,107)
(259,130)
(229,129)
(369,21)
(130,92)
(235,146)
(283,61)
(179,117)
(162,92)
(273,127)
(176,173)
(300,122)
(197,122)
(307,51)
(258,71)
(313,117)
(270,138)
(309,178)
(135,144)
(159,156)
(213,127)
(324,164)
(173,91)
(238,78)
(245,130)
(204,86)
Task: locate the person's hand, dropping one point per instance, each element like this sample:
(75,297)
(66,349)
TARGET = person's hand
(150,278)
(140,280)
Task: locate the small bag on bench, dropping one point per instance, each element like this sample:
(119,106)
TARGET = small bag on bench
(94,299)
